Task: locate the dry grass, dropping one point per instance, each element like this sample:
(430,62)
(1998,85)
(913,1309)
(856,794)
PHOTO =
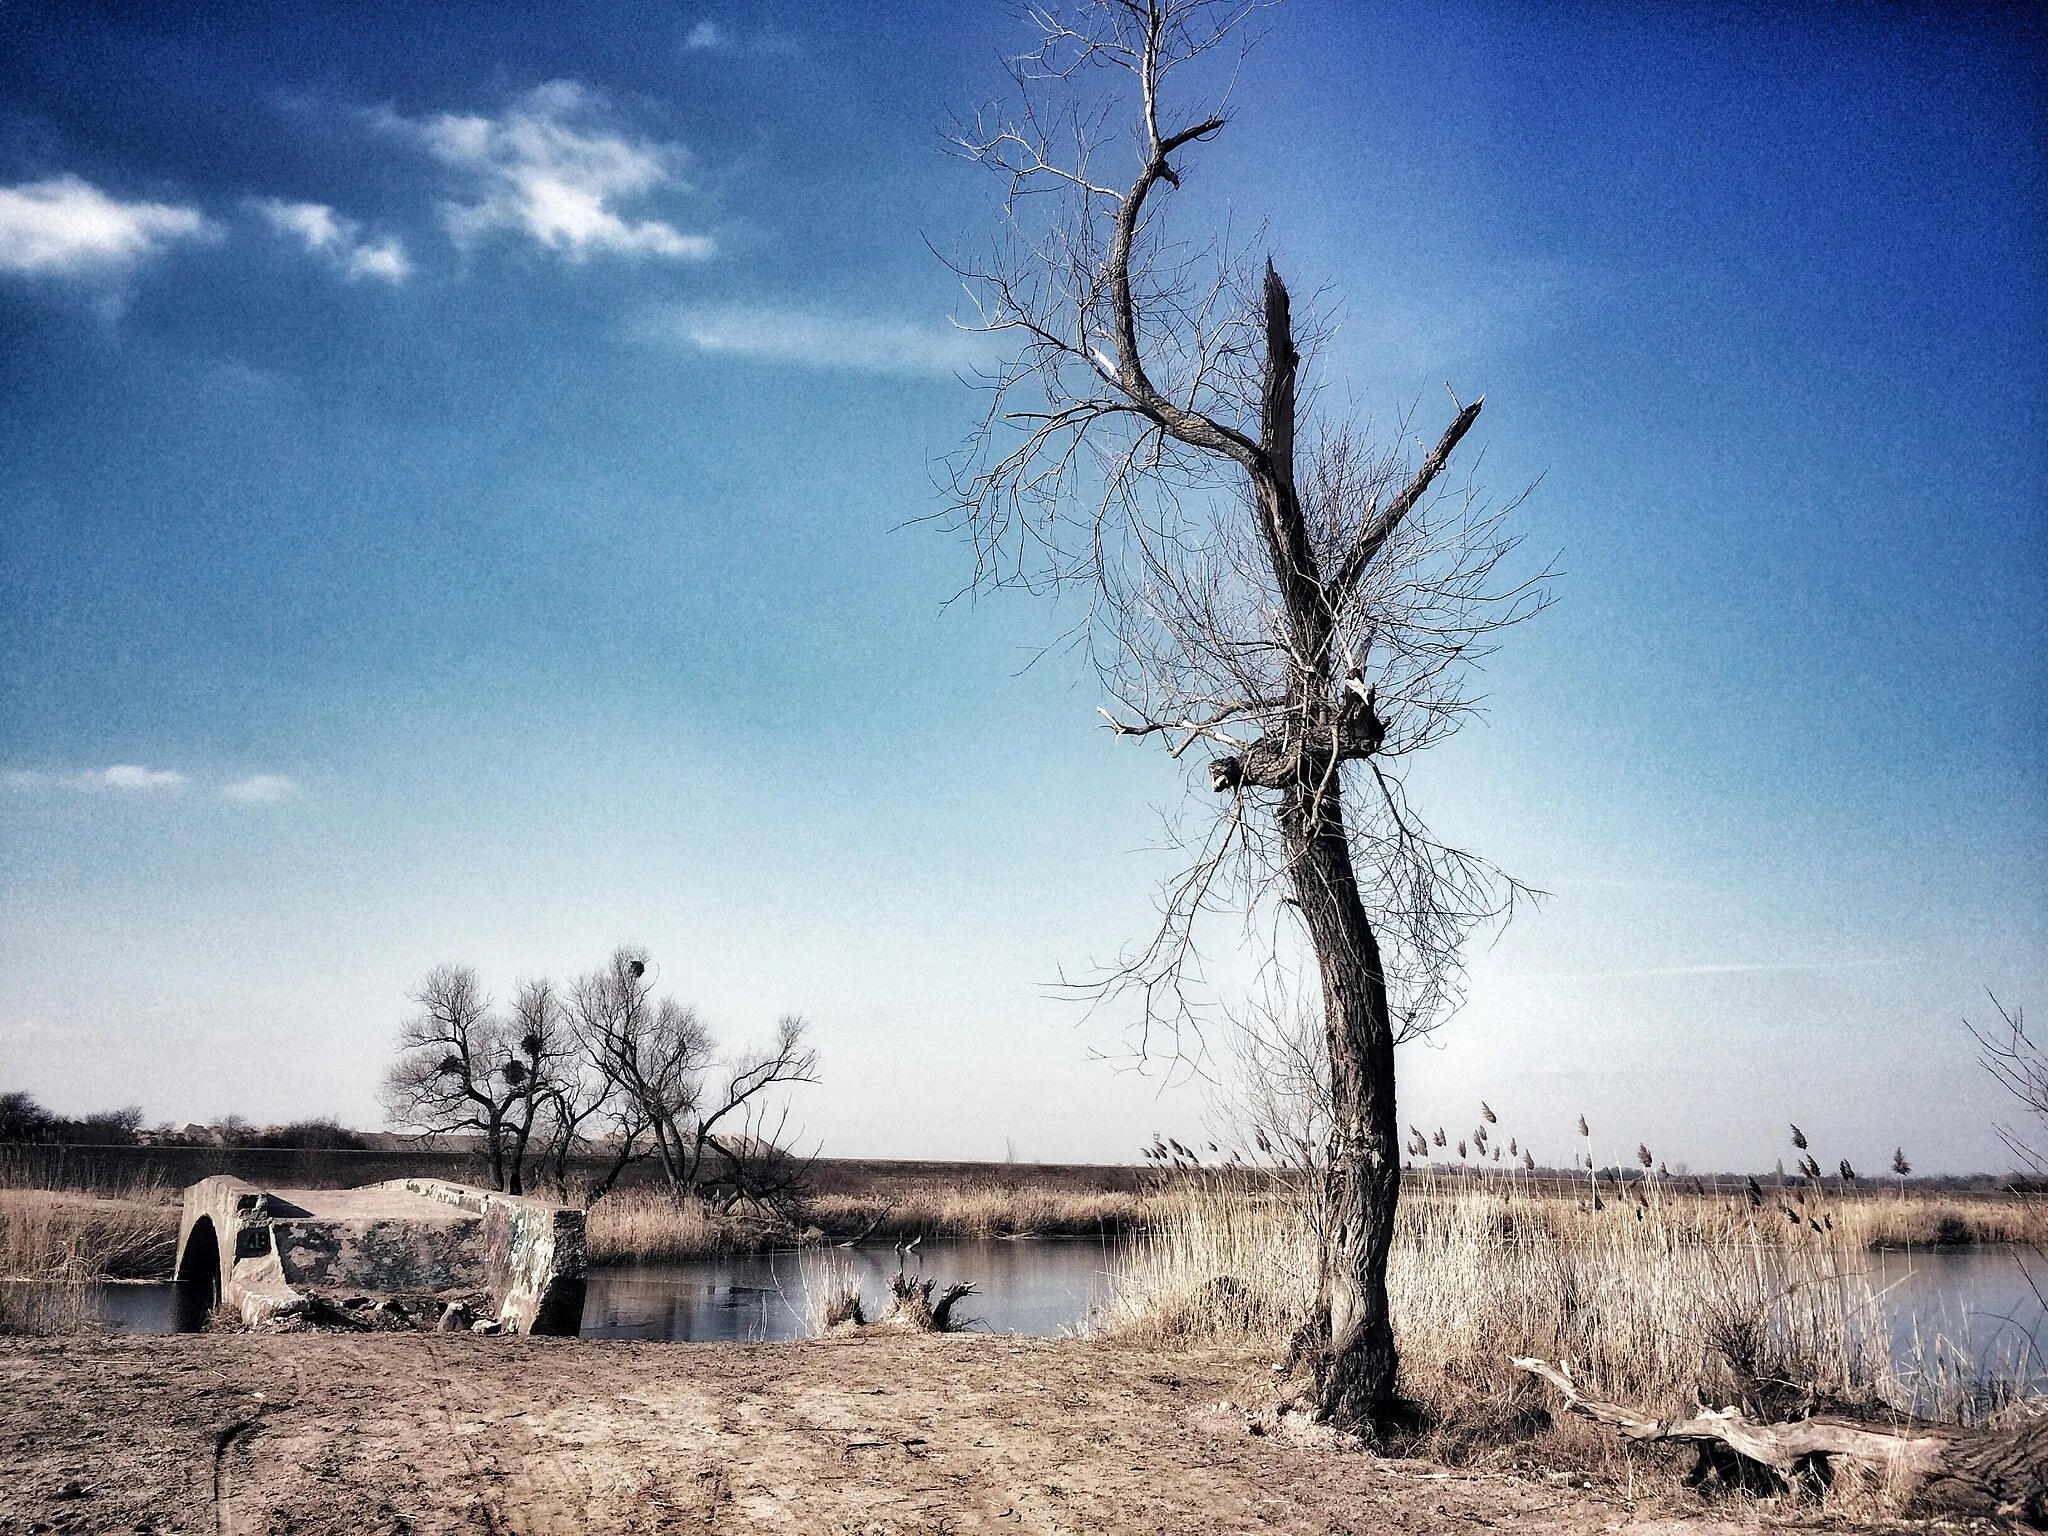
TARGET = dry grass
(832,1296)
(644,1225)
(46,1232)
(56,1247)
(940,1213)
(1656,1296)
(1927,1221)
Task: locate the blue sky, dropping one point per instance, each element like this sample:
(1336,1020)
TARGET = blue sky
(459,472)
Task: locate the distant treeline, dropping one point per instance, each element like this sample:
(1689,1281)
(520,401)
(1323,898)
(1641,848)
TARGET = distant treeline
(112,1149)
(25,1122)
(115,1168)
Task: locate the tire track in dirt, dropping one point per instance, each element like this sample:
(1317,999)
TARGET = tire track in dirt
(223,1442)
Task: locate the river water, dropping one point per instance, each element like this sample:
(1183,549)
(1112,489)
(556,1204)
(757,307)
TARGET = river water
(1976,1299)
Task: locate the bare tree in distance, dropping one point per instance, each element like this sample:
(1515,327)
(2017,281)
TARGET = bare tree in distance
(1259,577)
(2019,1063)
(672,1098)
(1278,1091)
(639,1054)
(463,1066)
(574,1096)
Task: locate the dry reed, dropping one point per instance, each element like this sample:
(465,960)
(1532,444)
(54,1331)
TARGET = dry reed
(941,1213)
(645,1225)
(56,1248)
(831,1293)
(1657,1296)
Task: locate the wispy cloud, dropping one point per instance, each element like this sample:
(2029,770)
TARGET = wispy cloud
(715,37)
(1740,968)
(136,779)
(261,789)
(133,776)
(808,339)
(327,233)
(68,227)
(549,168)
(128,778)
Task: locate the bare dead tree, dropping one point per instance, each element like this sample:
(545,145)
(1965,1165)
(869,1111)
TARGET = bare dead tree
(670,1097)
(548,1060)
(653,1056)
(737,1146)
(575,1098)
(1259,578)
(463,1066)
(2019,1064)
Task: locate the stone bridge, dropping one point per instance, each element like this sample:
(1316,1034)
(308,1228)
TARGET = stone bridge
(272,1252)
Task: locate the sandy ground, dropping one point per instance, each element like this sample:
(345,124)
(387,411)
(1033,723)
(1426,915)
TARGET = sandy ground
(353,1434)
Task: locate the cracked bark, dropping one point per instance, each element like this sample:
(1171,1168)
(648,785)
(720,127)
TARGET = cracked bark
(1353,1355)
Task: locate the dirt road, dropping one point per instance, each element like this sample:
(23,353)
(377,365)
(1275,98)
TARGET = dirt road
(241,1433)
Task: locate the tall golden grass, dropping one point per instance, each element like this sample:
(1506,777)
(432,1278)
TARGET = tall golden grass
(646,1226)
(1657,1296)
(936,1211)
(633,1225)
(56,1247)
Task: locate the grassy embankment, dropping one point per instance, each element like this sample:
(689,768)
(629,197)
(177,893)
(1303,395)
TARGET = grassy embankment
(643,1225)
(1657,1296)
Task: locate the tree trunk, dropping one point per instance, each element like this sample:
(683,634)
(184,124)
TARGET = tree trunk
(1355,1363)
(522,1138)
(494,1140)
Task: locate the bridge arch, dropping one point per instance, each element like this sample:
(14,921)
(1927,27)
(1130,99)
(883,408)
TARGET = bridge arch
(199,1262)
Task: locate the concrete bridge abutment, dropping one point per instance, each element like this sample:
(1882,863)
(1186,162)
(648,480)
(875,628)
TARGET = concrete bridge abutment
(274,1253)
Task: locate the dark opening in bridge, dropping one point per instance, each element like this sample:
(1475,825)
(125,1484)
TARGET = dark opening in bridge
(198,1275)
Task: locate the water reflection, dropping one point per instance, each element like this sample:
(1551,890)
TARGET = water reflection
(154,1308)
(1041,1288)
(1981,1302)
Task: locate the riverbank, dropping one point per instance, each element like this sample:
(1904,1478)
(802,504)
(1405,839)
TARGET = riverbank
(641,1225)
(129,1233)
(896,1200)
(423,1434)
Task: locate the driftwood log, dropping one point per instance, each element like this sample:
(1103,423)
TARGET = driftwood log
(2000,1472)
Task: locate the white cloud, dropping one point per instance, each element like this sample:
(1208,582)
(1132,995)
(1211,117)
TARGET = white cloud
(813,340)
(135,779)
(66,226)
(714,37)
(130,778)
(134,776)
(548,169)
(329,234)
(261,789)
